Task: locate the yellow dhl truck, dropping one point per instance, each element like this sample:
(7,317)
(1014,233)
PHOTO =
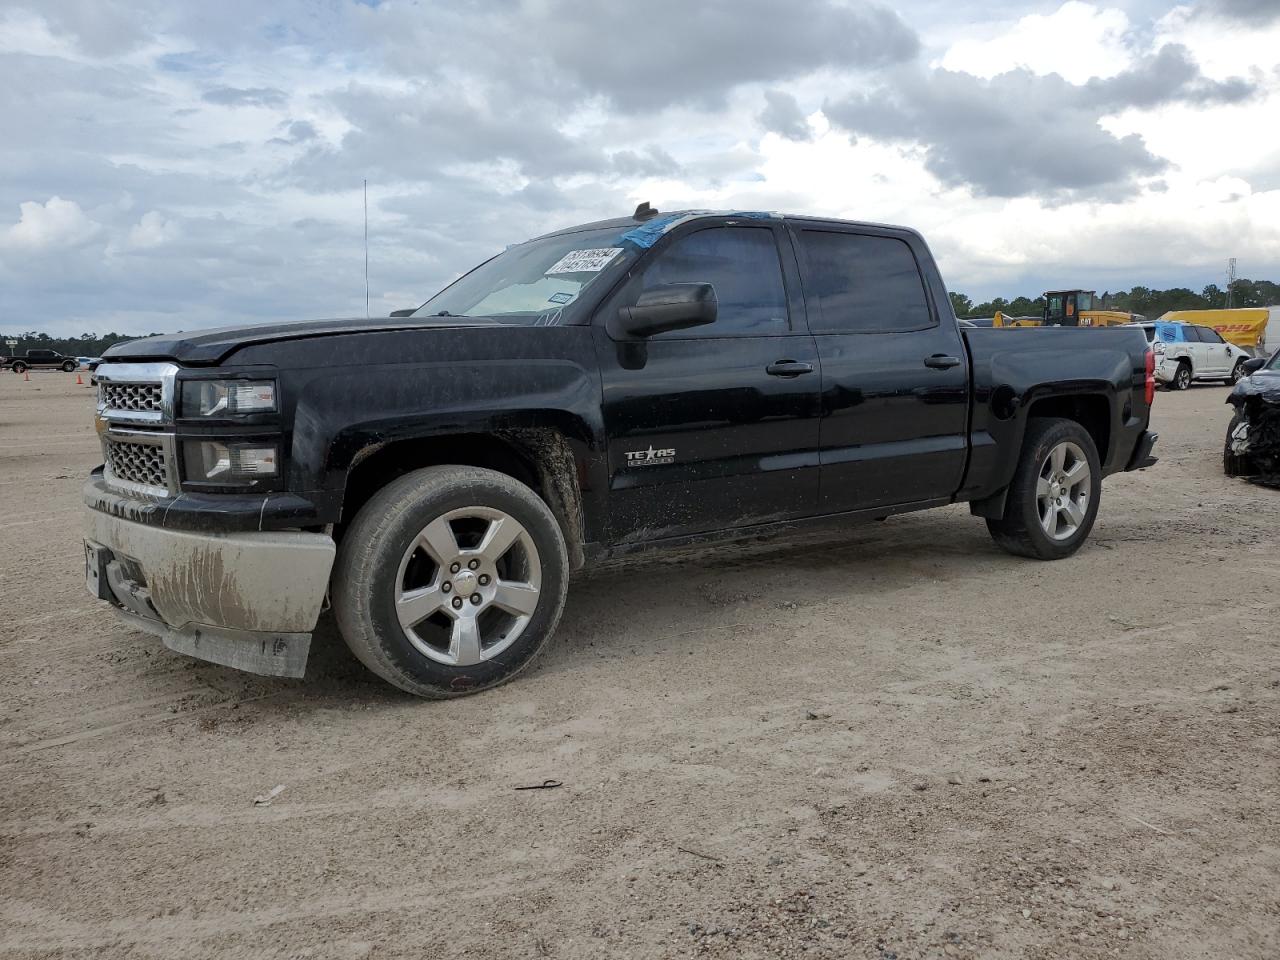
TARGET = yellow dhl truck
(1246,327)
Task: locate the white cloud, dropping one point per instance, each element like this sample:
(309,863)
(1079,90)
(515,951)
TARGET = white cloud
(1077,41)
(56,224)
(153,230)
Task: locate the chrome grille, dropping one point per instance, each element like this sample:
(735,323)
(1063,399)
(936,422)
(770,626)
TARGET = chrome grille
(137,397)
(139,463)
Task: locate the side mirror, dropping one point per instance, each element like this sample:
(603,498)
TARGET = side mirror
(1254,365)
(406,312)
(672,306)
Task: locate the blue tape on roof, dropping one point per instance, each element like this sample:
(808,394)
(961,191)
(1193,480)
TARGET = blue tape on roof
(646,235)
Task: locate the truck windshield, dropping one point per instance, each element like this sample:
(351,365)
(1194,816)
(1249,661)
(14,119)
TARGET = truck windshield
(532,282)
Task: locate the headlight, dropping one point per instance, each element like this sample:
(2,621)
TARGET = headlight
(230,462)
(227,398)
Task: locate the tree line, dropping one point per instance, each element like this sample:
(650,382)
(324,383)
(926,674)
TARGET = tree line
(1150,303)
(85,345)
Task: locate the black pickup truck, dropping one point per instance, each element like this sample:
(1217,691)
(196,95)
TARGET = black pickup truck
(647,381)
(40,360)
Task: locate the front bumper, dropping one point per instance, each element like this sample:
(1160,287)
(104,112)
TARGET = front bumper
(245,600)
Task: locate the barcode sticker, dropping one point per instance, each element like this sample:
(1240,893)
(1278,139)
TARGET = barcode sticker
(584,261)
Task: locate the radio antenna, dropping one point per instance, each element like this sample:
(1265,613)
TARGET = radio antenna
(366,249)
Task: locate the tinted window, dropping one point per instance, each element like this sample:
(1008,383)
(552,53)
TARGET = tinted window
(742,264)
(862,284)
(1189,334)
(1208,335)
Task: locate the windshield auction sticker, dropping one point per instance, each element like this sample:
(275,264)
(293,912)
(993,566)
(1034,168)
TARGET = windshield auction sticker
(584,261)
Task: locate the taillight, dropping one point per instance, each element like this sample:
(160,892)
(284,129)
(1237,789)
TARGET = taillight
(1151,377)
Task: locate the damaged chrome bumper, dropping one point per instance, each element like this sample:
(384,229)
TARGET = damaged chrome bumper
(246,600)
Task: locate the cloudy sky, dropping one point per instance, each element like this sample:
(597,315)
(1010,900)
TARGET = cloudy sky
(171,165)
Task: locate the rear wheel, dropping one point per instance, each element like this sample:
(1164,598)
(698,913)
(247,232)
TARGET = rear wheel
(1182,379)
(19,367)
(450,580)
(1053,499)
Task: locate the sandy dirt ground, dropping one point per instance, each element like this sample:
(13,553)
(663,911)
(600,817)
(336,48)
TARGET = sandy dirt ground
(889,742)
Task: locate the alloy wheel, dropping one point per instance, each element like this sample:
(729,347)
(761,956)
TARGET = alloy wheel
(1063,490)
(468,585)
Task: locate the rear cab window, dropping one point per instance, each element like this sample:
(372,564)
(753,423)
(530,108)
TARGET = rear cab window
(862,283)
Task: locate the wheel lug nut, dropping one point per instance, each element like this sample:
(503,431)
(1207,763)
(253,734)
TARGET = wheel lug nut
(446,586)
(473,564)
(457,603)
(455,567)
(484,579)
(476,598)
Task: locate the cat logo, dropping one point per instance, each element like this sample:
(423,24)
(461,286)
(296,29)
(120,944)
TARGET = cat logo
(650,457)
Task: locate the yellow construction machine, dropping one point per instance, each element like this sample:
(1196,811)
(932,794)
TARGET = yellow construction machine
(1069,308)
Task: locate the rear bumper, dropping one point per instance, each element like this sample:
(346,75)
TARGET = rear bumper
(1142,457)
(244,600)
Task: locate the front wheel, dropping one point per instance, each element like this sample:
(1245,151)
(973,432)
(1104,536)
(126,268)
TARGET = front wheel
(1182,379)
(450,580)
(1237,372)
(1053,499)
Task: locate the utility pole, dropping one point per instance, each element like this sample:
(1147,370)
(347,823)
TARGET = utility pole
(366,250)
(1231,280)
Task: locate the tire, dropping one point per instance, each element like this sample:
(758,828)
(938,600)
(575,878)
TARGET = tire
(1182,379)
(1234,465)
(1022,530)
(394,557)
(1237,372)
(69,367)
(20,368)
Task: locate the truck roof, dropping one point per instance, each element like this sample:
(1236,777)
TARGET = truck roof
(654,226)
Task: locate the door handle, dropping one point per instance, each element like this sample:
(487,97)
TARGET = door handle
(788,368)
(941,361)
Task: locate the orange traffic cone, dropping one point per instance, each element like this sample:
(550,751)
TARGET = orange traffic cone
(26,376)
(79,380)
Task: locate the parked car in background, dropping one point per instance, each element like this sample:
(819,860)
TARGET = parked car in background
(1186,352)
(40,360)
(1252,447)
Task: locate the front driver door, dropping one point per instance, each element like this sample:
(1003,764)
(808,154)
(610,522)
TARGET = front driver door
(712,427)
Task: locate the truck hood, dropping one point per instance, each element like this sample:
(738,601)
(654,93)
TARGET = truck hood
(212,346)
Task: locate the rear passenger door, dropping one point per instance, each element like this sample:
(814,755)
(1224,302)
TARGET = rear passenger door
(716,426)
(1217,353)
(895,374)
